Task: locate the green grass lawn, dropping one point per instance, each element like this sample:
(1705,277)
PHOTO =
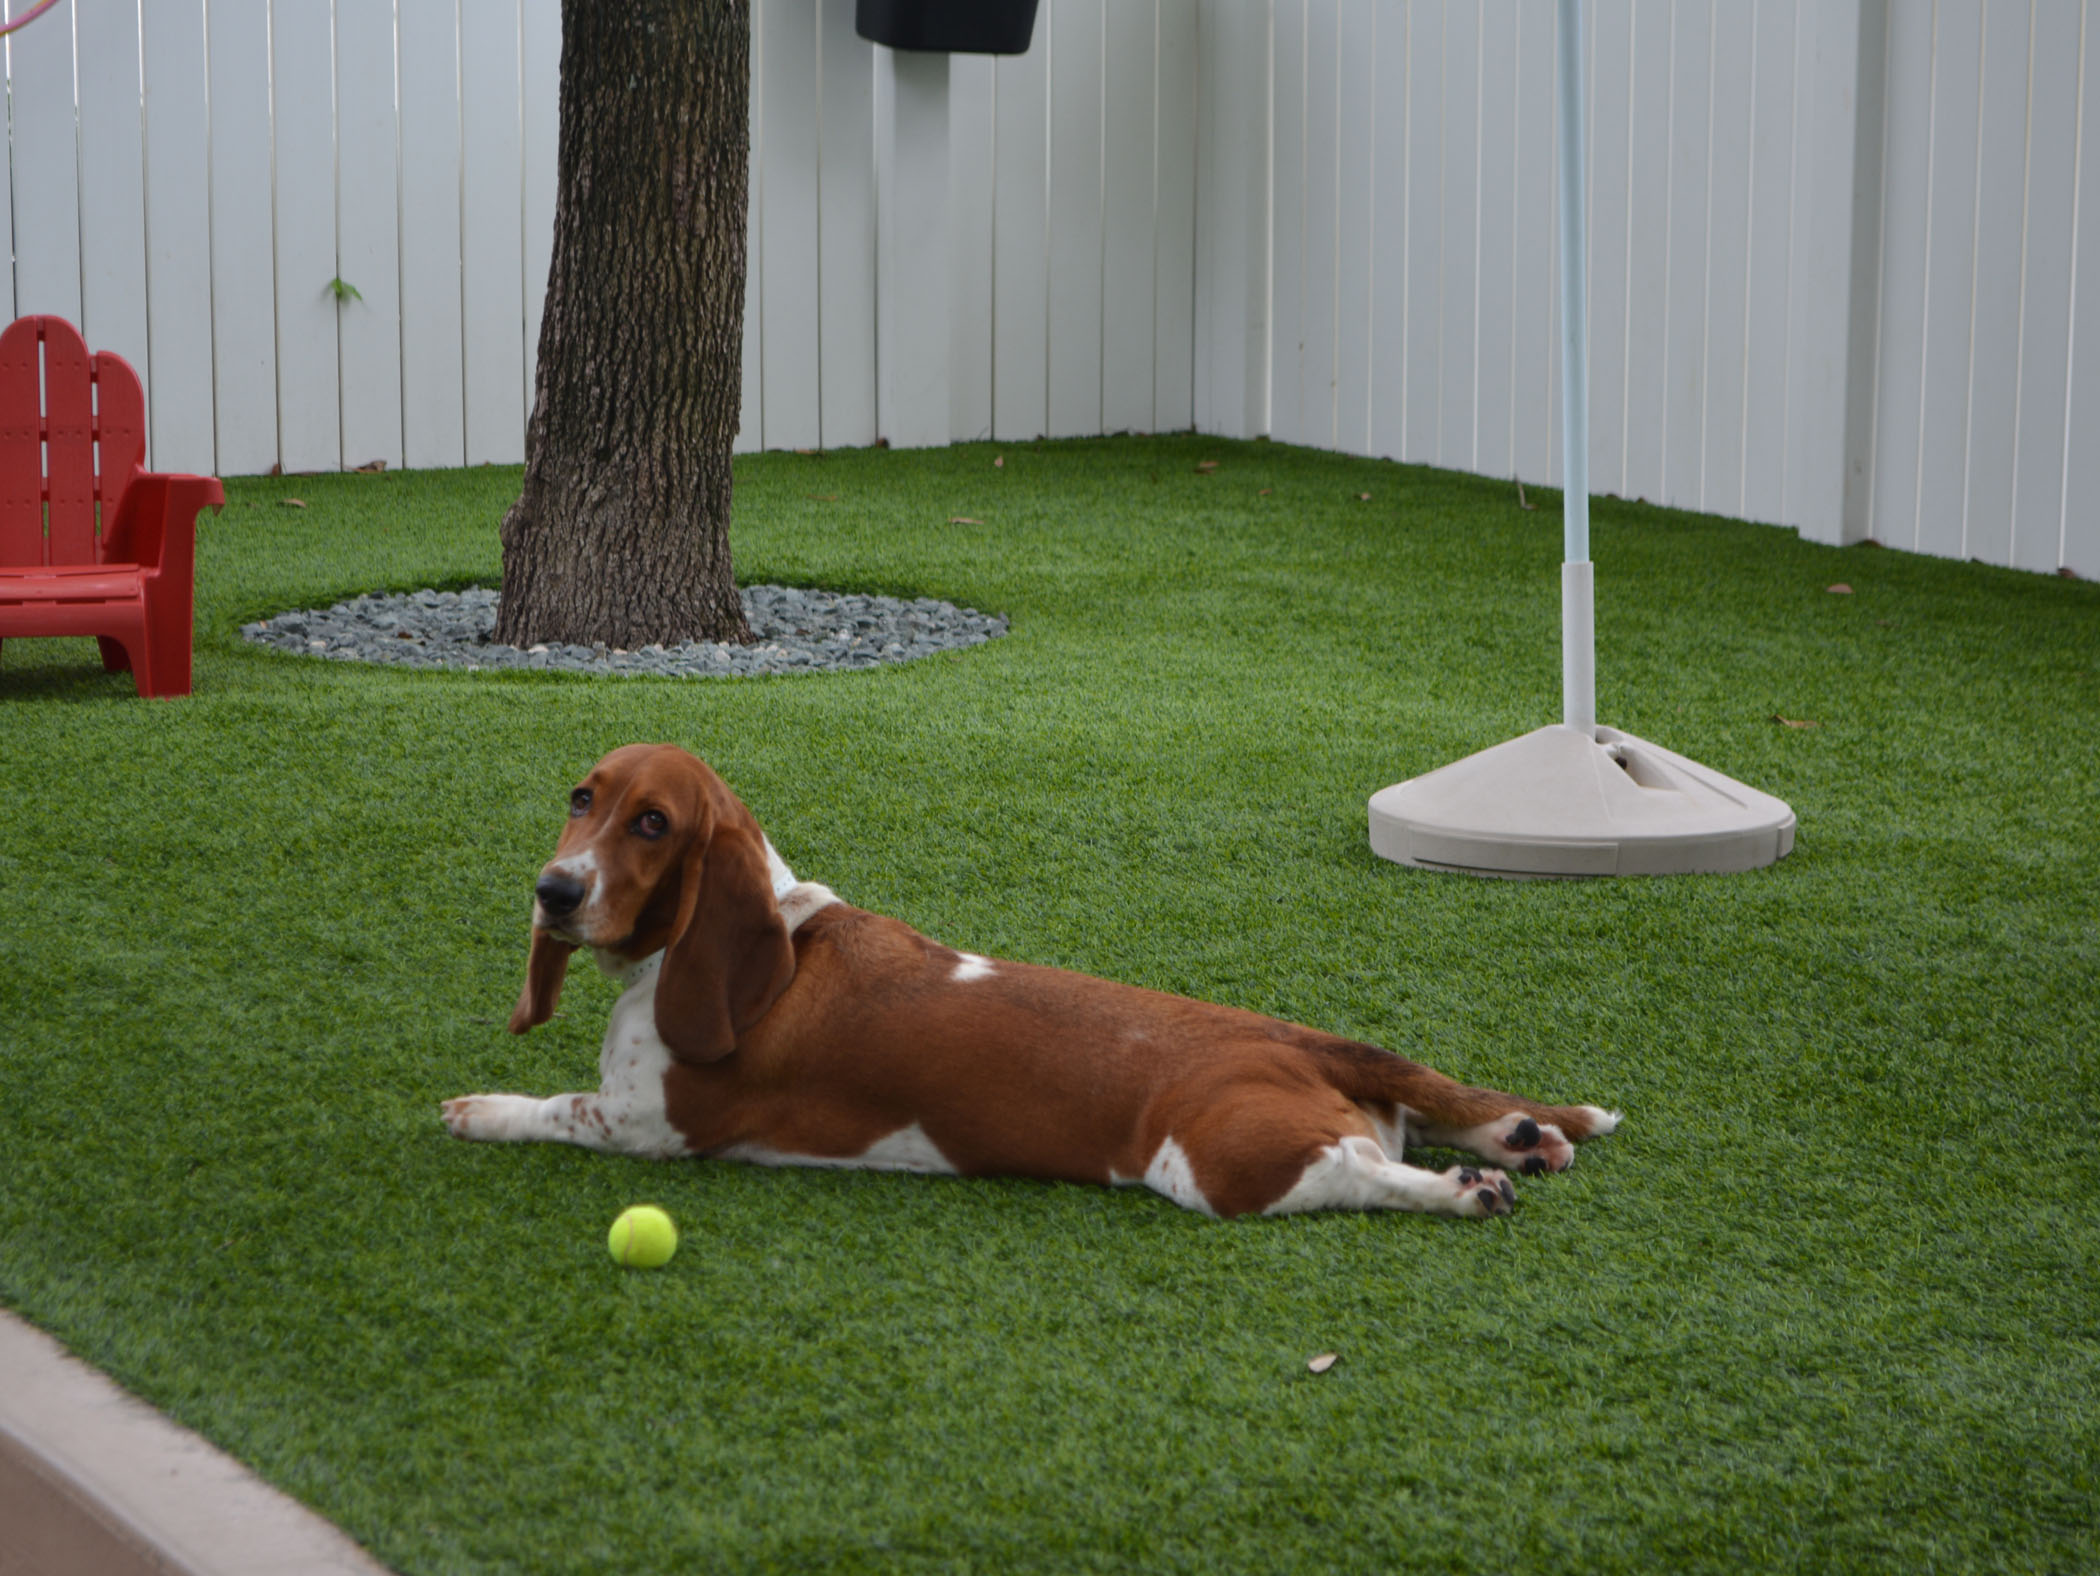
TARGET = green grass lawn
(1826,1302)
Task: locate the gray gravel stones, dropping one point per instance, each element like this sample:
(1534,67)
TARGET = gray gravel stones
(798,632)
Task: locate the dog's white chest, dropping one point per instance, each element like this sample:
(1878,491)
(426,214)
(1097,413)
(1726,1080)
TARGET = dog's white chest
(631,1067)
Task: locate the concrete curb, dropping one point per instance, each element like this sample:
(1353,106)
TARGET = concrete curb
(94,1481)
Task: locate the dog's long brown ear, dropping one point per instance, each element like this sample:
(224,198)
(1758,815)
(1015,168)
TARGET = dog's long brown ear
(730,956)
(545,969)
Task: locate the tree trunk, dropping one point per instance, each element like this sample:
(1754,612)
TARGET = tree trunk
(621,534)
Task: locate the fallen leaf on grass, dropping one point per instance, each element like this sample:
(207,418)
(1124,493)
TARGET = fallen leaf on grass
(963,519)
(1323,1362)
(1266,491)
(1840,589)
(1205,467)
(823,497)
(1363,497)
(292,503)
(1794,722)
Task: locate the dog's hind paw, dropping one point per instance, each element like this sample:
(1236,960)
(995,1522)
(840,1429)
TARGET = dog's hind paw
(1524,1144)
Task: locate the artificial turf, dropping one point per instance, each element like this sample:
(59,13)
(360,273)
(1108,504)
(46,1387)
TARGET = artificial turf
(1824,1303)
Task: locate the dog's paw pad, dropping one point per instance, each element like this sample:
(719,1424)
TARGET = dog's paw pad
(1532,1146)
(1481,1193)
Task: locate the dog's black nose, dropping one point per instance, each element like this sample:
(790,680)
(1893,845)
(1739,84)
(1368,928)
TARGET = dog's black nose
(559,896)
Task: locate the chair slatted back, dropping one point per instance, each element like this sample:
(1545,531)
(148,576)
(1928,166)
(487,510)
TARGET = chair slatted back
(72,432)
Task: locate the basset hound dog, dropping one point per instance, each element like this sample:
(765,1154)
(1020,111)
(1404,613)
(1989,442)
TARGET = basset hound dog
(766,1020)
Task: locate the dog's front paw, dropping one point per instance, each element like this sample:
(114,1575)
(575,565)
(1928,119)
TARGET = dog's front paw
(1479,1193)
(482,1116)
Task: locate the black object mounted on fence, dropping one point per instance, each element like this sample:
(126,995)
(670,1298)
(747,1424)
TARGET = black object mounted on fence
(959,27)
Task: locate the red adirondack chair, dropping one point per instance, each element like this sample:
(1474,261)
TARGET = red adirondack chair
(90,544)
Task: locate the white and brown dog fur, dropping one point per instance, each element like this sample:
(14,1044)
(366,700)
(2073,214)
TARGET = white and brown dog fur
(766,1020)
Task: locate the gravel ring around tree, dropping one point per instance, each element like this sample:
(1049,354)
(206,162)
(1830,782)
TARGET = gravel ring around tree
(798,631)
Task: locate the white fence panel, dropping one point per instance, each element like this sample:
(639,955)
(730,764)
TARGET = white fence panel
(492,231)
(1686,303)
(750,432)
(243,279)
(1232,214)
(1331,220)
(1174,257)
(1719,454)
(1318,319)
(7,235)
(1287,404)
(1771,179)
(1608,93)
(846,231)
(1950,278)
(1494,348)
(1021,245)
(46,168)
(1129,249)
(433,367)
(2079,538)
(1356,308)
(112,182)
(973,173)
(178,240)
(1645,396)
(1458,293)
(368,235)
(540,88)
(1994,369)
(1075,29)
(1383,125)
(1984,426)
(1900,366)
(2049,201)
(1535,249)
(309,380)
(788,115)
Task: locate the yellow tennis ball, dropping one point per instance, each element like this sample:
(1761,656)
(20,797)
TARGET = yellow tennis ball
(643,1238)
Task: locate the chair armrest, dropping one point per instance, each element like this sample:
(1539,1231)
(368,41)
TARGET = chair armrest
(155,524)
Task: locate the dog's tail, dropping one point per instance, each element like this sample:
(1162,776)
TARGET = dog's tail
(1436,1104)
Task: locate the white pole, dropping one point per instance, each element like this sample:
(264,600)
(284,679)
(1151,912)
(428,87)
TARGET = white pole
(1578,642)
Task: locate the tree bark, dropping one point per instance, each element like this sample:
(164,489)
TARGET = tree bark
(620,535)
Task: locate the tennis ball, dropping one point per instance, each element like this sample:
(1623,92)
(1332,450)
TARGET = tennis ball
(643,1238)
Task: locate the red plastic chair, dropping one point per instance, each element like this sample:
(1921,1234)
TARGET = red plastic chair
(90,544)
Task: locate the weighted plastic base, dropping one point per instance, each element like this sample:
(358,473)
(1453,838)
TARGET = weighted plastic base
(1555,803)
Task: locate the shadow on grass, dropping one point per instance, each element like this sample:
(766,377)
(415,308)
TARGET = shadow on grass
(81,681)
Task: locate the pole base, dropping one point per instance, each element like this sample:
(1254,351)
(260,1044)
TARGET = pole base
(1556,803)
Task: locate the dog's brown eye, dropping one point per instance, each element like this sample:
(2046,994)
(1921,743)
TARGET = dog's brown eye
(579,801)
(651,823)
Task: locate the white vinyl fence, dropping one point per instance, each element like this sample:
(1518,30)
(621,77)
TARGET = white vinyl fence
(1837,246)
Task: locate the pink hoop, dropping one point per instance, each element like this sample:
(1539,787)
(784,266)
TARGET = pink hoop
(33,13)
